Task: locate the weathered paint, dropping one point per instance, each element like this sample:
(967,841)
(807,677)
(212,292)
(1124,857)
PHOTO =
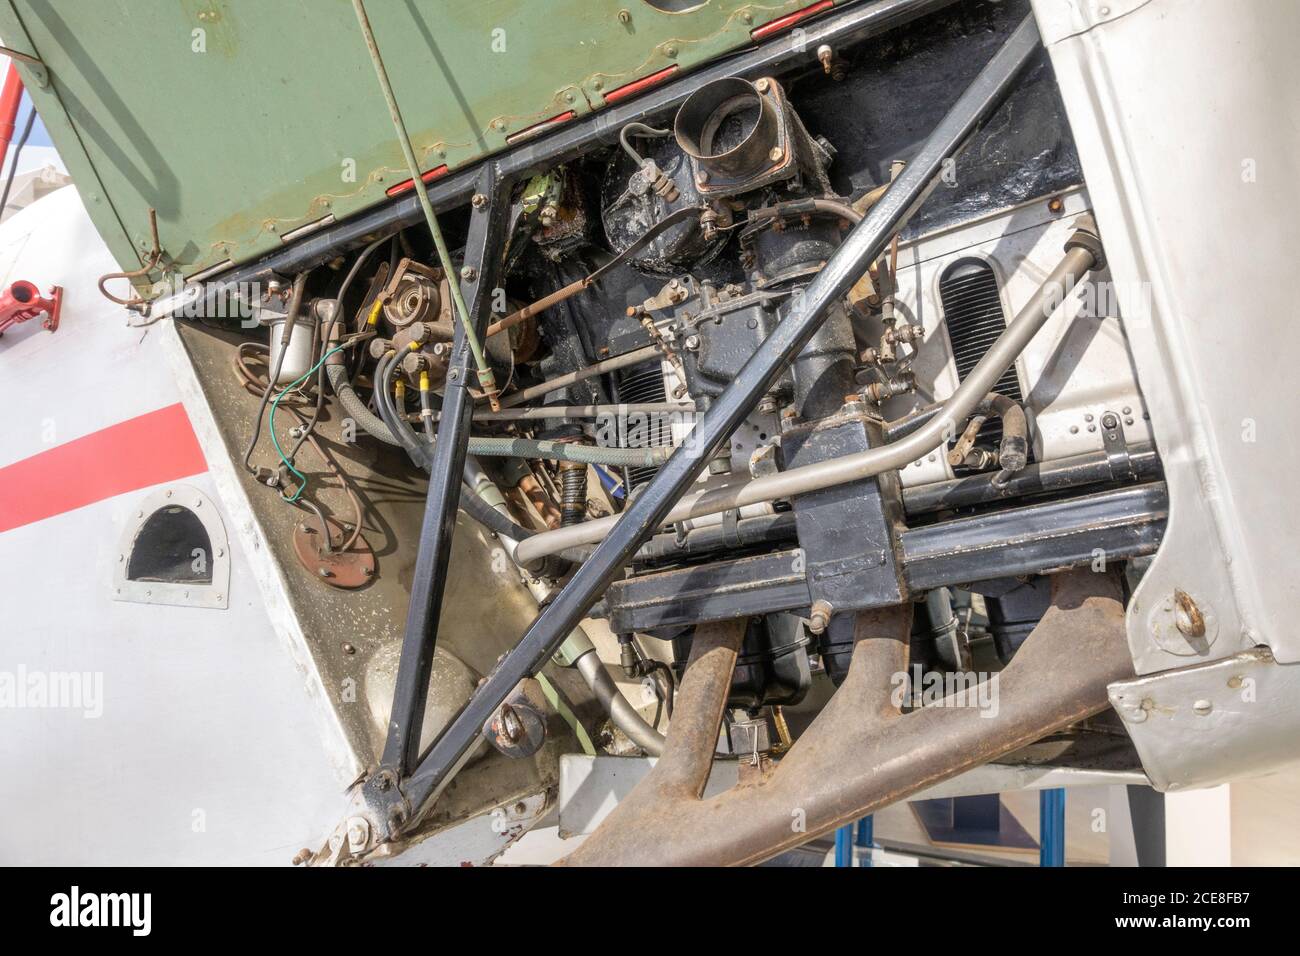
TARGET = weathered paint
(241,121)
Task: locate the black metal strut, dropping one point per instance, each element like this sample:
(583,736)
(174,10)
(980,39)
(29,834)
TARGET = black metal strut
(478,279)
(863,245)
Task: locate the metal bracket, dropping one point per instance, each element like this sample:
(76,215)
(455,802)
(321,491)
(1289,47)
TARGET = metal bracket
(40,73)
(1116,446)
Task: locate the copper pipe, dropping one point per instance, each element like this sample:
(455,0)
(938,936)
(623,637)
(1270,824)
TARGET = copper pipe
(541,305)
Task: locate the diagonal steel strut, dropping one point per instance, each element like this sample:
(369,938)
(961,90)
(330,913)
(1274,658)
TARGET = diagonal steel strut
(863,245)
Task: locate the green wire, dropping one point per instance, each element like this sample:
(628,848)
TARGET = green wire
(275,403)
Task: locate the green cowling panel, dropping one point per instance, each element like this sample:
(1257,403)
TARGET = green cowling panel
(241,121)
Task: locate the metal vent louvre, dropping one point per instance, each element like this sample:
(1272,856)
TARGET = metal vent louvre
(644,383)
(973,316)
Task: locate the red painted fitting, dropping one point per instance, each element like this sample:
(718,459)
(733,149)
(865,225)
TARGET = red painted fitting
(22,301)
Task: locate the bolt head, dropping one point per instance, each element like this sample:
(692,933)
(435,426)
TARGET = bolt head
(776,154)
(469,273)
(478,201)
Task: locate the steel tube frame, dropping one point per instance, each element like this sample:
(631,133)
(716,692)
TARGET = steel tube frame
(482,252)
(402,802)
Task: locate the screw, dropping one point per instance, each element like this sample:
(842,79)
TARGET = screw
(670,51)
(826,55)
(702,177)
(776,154)
(762,85)
(624,16)
(325,572)
(469,273)
(349,648)
(478,201)
(820,618)
(1188,617)
(511,727)
(1202,707)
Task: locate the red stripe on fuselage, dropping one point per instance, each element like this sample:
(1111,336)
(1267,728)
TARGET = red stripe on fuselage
(155,447)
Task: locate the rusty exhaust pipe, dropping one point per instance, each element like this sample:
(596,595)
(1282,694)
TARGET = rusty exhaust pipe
(861,753)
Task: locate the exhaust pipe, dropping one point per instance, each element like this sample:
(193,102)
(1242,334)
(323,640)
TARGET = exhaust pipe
(862,752)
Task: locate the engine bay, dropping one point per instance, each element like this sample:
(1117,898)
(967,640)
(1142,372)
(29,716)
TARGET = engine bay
(953,454)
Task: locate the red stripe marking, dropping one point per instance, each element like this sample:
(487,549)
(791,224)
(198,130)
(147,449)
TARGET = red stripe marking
(790,19)
(155,447)
(428,177)
(541,127)
(636,86)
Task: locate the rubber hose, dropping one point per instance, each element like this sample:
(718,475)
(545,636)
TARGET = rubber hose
(498,447)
